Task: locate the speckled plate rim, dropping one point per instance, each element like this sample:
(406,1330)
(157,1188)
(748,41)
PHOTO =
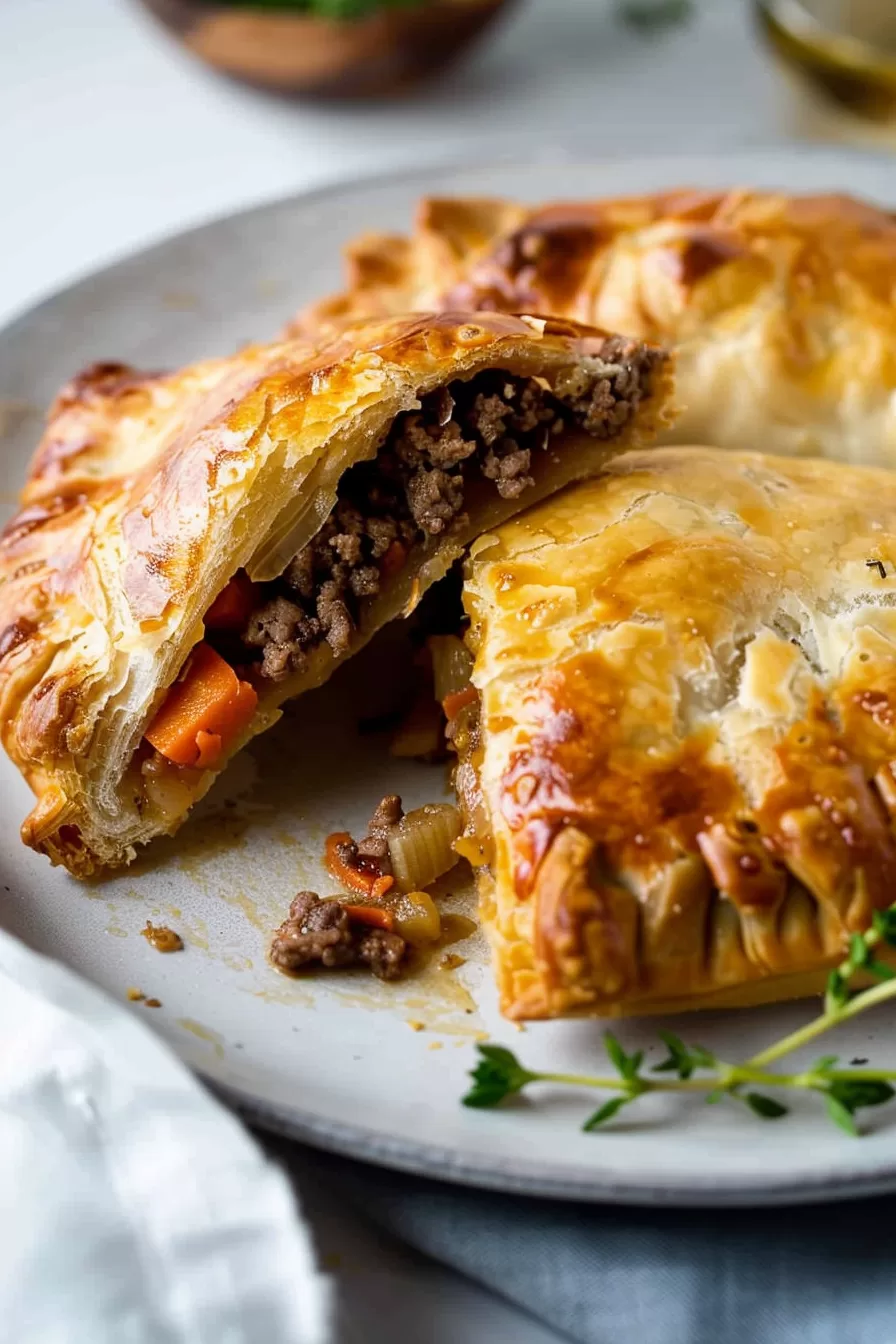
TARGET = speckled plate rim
(504,152)
(517,1175)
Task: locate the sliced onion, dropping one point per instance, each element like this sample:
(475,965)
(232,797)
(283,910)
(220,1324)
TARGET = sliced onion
(421,846)
(294,527)
(419,735)
(169,789)
(451,665)
(417,917)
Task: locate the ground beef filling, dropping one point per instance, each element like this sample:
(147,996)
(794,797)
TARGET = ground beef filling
(323,932)
(372,850)
(414,489)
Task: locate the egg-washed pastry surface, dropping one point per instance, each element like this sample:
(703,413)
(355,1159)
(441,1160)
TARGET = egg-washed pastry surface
(782,308)
(194,548)
(681,783)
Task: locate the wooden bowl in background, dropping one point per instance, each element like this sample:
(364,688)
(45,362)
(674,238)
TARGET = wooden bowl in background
(298,53)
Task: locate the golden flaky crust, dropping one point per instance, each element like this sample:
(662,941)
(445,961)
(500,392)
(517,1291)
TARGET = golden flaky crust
(687,752)
(783,309)
(149,491)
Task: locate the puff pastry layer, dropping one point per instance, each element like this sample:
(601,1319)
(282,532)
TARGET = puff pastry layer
(782,309)
(683,781)
(148,492)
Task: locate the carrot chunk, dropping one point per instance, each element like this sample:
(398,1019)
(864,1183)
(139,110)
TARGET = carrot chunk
(203,712)
(393,560)
(453,704)
(233,606)
(380,886)
(374,915)
(209,746)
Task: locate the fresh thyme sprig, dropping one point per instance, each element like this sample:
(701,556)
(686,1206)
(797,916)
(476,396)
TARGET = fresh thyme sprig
(499,1073)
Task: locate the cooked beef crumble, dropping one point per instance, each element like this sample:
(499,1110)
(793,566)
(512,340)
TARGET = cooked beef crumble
(414,489)
(375,844)
(323,932)
(369,856)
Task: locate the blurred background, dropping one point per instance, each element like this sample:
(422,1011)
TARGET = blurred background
(121,121)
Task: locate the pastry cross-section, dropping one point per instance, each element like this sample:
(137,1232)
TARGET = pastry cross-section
(195,548)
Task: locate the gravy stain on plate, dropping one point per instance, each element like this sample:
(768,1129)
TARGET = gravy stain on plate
(289,990)
(437,999)
(206,837)
(235,961)
(260,919)
(114,926)
(212,1038)
(195,931)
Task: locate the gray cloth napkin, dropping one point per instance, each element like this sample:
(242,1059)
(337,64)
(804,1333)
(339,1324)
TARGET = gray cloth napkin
(613,1275)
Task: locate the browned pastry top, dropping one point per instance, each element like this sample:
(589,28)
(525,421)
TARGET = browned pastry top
(688,735)
(782,308)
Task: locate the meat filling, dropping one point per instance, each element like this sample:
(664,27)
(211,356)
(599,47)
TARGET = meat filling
(374,846)
(491,426)
(323,932)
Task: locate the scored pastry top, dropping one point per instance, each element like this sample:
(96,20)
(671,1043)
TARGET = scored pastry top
(781,307)
(688,728)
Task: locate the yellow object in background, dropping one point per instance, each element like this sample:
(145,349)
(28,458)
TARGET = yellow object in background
(838,59)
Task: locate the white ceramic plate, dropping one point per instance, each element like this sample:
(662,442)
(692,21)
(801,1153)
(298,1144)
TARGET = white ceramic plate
(334,1060)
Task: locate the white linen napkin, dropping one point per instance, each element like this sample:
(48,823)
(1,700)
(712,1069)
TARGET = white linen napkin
(135,1209)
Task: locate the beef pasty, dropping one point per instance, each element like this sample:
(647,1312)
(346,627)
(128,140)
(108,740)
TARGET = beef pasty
(680,786)
(782,308)
(193,549)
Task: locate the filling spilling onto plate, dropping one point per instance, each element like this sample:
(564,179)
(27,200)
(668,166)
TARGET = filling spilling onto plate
(335,933)
(388,912)
(492,427)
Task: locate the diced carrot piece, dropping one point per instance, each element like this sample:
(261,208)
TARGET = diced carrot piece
(343,872)
(380,886)
(209,746)
(453,704)
(233,606)
(209,699)
(374,915)
(393,560)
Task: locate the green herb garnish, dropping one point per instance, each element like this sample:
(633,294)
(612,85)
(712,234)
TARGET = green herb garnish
(327,9)
(845,1091)
(650,14)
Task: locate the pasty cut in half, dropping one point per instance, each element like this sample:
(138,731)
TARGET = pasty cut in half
(782,308)
(681,783)
(193,549)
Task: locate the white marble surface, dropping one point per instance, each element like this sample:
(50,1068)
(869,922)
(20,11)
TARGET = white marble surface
(110,137)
